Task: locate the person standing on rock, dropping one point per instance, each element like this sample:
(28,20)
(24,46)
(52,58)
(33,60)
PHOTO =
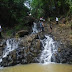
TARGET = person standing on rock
(41,25)
(56,20)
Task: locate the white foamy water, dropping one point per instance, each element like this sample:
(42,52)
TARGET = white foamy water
(0,60)
(11,44)
(27,4)
(49,49)
(34,28)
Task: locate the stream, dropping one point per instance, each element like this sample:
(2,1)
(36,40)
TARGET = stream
(39,68)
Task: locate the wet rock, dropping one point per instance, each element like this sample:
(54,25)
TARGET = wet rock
(41,35)
(26,42)
(64,55)
(63,61)
(2,45)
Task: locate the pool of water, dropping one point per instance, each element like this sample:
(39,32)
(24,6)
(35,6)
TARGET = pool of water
(39,68)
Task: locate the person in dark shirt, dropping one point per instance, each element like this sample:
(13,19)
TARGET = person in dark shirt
(41,25)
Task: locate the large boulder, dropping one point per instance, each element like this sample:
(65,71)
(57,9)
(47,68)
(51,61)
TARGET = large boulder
(21,33)
(27,40)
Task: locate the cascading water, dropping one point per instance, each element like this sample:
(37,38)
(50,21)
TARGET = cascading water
(11,44)
(50,48)
(34,28)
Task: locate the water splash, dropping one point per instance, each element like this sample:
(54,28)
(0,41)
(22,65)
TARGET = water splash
(49,49)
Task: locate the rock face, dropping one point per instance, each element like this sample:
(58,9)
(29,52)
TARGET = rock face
(2,44)
(64,55)
(28,52)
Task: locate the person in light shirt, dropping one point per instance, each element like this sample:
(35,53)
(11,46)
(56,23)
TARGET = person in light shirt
(42,19)
(56,20)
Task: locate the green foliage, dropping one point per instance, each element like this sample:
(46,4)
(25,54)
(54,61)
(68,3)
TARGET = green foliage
(20,27)
(12,12)
(9,32)
(49,7)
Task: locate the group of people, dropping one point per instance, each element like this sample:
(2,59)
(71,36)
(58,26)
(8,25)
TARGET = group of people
(42,23)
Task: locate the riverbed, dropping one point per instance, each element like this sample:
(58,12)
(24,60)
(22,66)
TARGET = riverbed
(39,68)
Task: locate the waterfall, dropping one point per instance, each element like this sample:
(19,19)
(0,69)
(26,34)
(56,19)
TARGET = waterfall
(49,50)
(34,28)
(11,44)
(27,4)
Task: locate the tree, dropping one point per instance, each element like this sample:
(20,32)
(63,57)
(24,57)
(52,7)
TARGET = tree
(12,12)
(49,7)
